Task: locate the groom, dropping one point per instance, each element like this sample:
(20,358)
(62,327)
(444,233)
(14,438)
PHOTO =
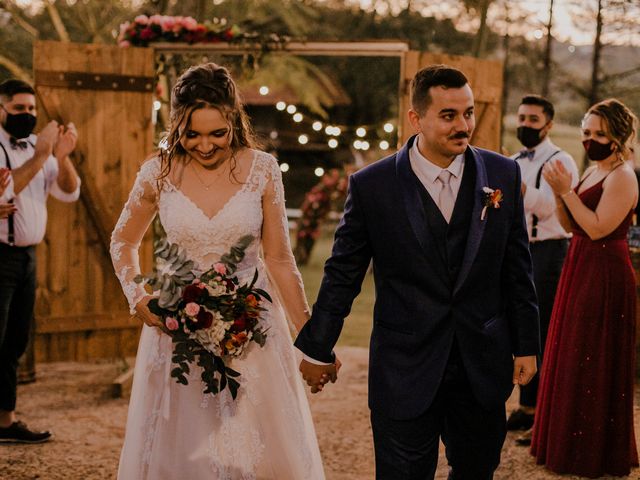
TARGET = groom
(455,323)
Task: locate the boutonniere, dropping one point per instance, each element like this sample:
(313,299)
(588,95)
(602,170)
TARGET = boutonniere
(492,199)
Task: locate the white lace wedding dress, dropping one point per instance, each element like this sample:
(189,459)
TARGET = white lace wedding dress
(175,432)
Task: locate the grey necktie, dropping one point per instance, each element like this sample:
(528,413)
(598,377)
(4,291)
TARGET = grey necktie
(446,199)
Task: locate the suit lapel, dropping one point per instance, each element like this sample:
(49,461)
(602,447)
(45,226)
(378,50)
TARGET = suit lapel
(476,227)
(413,206)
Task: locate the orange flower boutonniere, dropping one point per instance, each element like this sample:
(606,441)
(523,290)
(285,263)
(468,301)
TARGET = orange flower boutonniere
(492,199)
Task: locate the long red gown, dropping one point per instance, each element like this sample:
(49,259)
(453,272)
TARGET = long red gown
(584,415)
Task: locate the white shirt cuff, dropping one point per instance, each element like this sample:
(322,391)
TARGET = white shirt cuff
(313,360)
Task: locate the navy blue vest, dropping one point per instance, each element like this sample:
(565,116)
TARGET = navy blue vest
(451,239)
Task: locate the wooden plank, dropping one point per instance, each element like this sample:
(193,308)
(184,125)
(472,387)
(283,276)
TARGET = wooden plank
(87,321)
(379,48)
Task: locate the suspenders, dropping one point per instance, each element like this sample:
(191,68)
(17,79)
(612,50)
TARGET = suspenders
(534,224)
(11,237)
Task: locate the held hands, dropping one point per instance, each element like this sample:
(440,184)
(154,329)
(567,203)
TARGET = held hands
(317,375)
(67,140)
(524,368)
(143,313)
(557,176)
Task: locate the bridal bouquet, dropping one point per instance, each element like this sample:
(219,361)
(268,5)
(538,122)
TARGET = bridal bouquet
(210,316)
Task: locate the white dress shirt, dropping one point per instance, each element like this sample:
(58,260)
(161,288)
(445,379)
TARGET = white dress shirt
(541,201)
(30,219)
(427,172)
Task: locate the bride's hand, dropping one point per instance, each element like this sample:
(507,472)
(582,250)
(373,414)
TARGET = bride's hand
(143,313)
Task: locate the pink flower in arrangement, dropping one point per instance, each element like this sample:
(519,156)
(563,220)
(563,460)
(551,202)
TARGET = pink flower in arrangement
(141,20)
(124,43)
(189,23)
(171,323)
(155,19)
(168,23)
(220,268)
(192,309)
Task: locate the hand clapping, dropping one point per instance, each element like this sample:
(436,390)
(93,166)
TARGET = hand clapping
(557,176)
(66,143)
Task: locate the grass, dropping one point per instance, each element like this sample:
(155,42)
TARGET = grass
(357,326)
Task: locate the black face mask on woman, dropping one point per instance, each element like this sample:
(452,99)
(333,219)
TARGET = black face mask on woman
(597,151)
(529,136)
(19,125)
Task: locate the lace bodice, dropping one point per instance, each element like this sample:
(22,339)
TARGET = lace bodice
(256,208)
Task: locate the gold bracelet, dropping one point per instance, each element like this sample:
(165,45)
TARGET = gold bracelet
(567,193)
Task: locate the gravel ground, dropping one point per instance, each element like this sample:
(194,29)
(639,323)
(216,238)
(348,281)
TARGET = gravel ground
(72,399)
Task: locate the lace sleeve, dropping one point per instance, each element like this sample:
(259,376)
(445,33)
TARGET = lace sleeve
(277,249)
(134,221)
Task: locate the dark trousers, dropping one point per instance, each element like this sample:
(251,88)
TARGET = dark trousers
(472,435)
(17,299)
(548,257)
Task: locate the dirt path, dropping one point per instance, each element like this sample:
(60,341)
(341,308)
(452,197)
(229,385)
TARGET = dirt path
(73,400)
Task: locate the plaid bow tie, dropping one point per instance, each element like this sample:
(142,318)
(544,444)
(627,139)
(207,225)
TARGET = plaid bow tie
(15,143)
(527,154)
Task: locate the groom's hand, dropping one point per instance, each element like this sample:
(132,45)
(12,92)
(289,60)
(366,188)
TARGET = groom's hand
(317,375)
(524,368)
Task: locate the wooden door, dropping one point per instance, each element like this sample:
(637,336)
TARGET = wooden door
(107,91)
(485,78)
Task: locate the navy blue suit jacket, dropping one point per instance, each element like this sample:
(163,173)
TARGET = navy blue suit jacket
(491,308)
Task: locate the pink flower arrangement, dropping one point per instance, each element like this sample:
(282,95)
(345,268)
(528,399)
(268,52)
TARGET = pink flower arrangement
(164,28)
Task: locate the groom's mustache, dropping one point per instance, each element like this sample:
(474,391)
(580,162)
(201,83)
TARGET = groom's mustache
(458,135)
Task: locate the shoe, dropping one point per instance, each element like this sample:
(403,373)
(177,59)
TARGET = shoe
(525,439)
(519,420)
(18,432)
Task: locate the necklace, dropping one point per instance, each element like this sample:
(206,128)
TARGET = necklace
(207,186)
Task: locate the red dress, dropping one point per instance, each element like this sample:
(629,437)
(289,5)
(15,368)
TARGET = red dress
(584,415)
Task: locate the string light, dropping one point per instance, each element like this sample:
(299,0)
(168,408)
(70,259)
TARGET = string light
(333,143)
(384,145)
(284,167)
(319,171)
(297,117)
(361,132)
(281,106)
(317,126)
(264,90)
(365,145)
(303,139)
(157,105)
(357,144)
(291,109)
(388,127)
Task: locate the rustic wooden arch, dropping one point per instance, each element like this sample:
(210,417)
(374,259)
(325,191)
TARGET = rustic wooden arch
(107,91)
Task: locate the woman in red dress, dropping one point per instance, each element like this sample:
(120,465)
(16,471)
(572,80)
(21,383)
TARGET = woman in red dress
(584,421)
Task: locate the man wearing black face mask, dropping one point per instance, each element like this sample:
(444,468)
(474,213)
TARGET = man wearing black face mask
(547,239)
(38,166)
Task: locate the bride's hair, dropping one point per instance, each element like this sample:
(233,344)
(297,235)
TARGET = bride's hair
(205,86)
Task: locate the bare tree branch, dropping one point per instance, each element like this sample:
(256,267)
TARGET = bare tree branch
(15,69)
(18,18)
(57,21)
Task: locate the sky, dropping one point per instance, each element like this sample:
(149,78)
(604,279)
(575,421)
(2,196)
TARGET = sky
(563,26)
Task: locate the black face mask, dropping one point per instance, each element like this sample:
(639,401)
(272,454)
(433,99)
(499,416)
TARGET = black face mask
(19,125)
(528,136)
(597,151)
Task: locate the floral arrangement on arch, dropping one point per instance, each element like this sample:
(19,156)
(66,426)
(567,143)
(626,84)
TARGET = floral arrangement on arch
(318,202)
(164,28)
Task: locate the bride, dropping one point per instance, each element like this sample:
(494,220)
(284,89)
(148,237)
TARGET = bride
(210,187)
